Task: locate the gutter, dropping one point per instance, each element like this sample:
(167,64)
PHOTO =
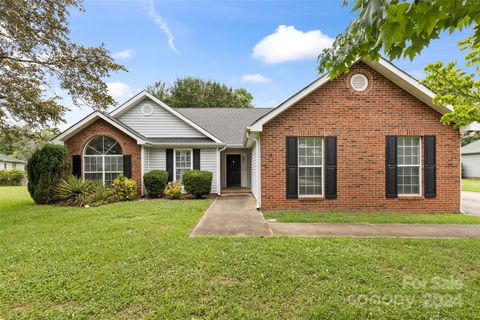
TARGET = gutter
(258,198)
(219,173)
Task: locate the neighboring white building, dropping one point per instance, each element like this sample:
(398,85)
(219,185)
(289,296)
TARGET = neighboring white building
(8,163)
(471,159)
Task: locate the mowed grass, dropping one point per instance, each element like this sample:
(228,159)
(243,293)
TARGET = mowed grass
(370,217)
(471,185)
(136,260)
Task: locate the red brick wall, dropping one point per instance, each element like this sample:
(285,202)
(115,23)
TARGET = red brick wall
(360,120)
(77,143)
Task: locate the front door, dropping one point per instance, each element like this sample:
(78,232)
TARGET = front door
(234,170)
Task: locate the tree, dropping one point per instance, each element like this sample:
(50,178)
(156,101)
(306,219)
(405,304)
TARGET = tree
(37,59)
(398,28)
(199,93)
(21,141)
(455,87)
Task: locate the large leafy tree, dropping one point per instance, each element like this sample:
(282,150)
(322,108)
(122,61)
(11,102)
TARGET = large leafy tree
(398,28)
(37,59)
(401,28)
(455,87)
(198,93)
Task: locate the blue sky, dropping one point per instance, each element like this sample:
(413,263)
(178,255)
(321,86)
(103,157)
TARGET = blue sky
(267,47)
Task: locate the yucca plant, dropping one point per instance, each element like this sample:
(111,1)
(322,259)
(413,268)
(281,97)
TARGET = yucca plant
(101,195)
(74,191)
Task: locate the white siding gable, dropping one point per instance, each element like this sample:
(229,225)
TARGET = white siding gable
(161,123)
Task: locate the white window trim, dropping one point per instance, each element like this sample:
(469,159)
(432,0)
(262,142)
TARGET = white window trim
(175,161)
(321,195)
(103,172)
(420,193)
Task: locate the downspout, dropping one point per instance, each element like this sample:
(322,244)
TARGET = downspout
(259,166)
(219,172)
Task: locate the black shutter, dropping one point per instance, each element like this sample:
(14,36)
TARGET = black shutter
(331,168)
(391,188)
(169,157)
(291,167)
(196,159)
(127,166)
(77,166)
(430,167)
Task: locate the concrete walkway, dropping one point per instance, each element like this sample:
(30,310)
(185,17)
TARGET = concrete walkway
(375,230)
(471,202)
(232,215)
(236,215)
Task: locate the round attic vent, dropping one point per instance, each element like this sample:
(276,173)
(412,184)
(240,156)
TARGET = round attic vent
(147,110)
(359,82)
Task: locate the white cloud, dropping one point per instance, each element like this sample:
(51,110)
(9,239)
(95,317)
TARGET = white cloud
(255,78)
(119,90)
(158,20)
(290,44)
(125,54)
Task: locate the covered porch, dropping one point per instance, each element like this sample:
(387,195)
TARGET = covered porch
(235,170)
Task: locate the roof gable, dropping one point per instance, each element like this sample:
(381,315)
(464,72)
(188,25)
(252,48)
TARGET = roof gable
(165,121)
(384,67)
(91,118)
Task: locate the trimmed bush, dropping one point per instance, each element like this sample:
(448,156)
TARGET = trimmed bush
(155,182)
(124,189)
(12,177)
(74,191)
(173,190)
(197,183)
(46,168)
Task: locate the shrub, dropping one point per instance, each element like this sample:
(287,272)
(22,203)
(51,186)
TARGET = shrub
(100,195)
(124,189)
(74,191)
(12,177)
(45,168)
(197,183)
(173,190)
(155,182)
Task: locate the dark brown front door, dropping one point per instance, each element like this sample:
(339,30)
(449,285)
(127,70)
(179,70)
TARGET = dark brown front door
(234,170)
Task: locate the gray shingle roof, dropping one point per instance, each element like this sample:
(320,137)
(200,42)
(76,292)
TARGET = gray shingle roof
(227,124)
(5,158)
(473,147)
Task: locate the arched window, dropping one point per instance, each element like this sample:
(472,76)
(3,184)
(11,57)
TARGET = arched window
(103,160)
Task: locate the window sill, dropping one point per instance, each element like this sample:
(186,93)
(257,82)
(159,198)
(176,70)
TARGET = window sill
(410,196)
(311,198)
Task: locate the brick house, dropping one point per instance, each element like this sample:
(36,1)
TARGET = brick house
(369,140)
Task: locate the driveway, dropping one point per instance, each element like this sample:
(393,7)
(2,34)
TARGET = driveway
(232,215)
(471,202)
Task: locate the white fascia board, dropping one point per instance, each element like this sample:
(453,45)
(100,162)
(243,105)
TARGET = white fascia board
(87,121)
(145,94)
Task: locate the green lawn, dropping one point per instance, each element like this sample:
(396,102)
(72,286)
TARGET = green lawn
(135,260)
(370,217)
(471,185)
